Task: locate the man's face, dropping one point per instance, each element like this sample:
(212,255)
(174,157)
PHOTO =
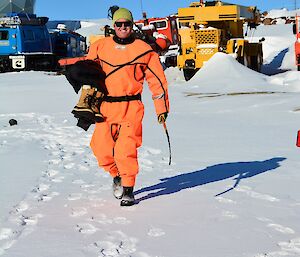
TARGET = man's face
(123,28)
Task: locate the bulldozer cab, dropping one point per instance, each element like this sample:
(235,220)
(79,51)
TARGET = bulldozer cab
(215,26)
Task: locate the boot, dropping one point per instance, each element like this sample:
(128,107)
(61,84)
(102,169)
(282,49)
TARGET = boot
(128,197)
(83,109)
(95,106)
(117,187)
(87,110)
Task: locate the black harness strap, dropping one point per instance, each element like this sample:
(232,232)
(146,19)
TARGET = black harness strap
(125,98)
(120,66)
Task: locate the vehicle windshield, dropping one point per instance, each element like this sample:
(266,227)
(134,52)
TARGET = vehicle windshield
(3,34)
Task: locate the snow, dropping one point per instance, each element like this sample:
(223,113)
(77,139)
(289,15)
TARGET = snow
(94,27)
(232,189)
(273,14)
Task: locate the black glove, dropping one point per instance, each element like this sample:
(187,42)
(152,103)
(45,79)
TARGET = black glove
(84,123)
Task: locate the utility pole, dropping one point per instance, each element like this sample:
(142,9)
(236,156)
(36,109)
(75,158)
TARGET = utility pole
(295,4)
(141,2)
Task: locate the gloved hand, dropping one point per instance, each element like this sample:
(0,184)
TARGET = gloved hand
(162,117)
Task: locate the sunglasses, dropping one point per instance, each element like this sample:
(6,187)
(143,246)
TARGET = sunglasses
(125,23)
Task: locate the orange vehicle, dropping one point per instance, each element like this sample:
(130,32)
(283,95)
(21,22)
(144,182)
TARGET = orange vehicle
(166,26)
(297,42)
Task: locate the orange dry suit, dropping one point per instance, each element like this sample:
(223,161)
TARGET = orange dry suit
(126,65)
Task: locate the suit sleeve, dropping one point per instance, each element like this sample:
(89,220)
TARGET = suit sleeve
(93,51)
(158,84)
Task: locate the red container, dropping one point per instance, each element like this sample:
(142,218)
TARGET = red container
(298,139)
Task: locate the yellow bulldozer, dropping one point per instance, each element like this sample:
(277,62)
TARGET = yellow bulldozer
(206,28)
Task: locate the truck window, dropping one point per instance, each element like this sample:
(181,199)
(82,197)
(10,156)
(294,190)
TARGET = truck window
(159,24)
(139,25)
(73,42)
(28,35)
(4,35)
(39,34)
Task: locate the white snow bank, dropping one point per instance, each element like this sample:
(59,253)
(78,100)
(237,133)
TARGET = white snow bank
(43,95)
(289,80)
(275,13)
(94,27)
(223,74)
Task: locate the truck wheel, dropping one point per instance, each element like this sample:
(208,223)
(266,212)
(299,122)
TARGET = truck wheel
(189,73)
(243,60)
(260,62)
(256,62)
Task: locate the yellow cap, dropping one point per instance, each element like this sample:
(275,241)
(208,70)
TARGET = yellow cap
(122,13)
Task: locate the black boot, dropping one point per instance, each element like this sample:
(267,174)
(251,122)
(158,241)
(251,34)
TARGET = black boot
(117,187)
(128,197)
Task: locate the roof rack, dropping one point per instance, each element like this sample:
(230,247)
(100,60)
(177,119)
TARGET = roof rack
(13,20)
(24,20)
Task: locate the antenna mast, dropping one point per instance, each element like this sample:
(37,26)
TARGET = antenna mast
(141,1)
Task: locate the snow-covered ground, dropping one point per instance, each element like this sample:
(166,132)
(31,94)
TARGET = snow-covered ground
(232,189)
(282,13)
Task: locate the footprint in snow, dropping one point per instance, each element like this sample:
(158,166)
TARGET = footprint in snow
(4,247)
(6,233)
(92,192)
(22,206)
(30,220)
(292,246)
(229,215)
(146,162)
(225,200)
(155,232)
(55,161)
(83,168)
(86,228)
(58,179)
(263,219)
(24,220)
(153,151)
(41,188)
(47,197)
(69,166)
(51,173)
(287,248)
(256,195)
(281,229)
(101,219)
(78,212)
(78,181)
(74,196)
(87,185)
(121,221)
(116,244)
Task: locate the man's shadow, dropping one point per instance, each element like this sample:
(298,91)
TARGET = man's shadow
(210,174)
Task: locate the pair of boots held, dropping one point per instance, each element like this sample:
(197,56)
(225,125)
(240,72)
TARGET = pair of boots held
(87,110)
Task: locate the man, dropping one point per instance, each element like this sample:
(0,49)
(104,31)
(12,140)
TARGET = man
(126,61)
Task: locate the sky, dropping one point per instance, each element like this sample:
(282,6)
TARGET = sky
(95,9)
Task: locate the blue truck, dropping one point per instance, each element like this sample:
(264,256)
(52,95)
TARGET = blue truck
(27,44)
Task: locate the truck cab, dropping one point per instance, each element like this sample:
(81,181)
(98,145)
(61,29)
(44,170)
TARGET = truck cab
(24,43)
(67,43)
